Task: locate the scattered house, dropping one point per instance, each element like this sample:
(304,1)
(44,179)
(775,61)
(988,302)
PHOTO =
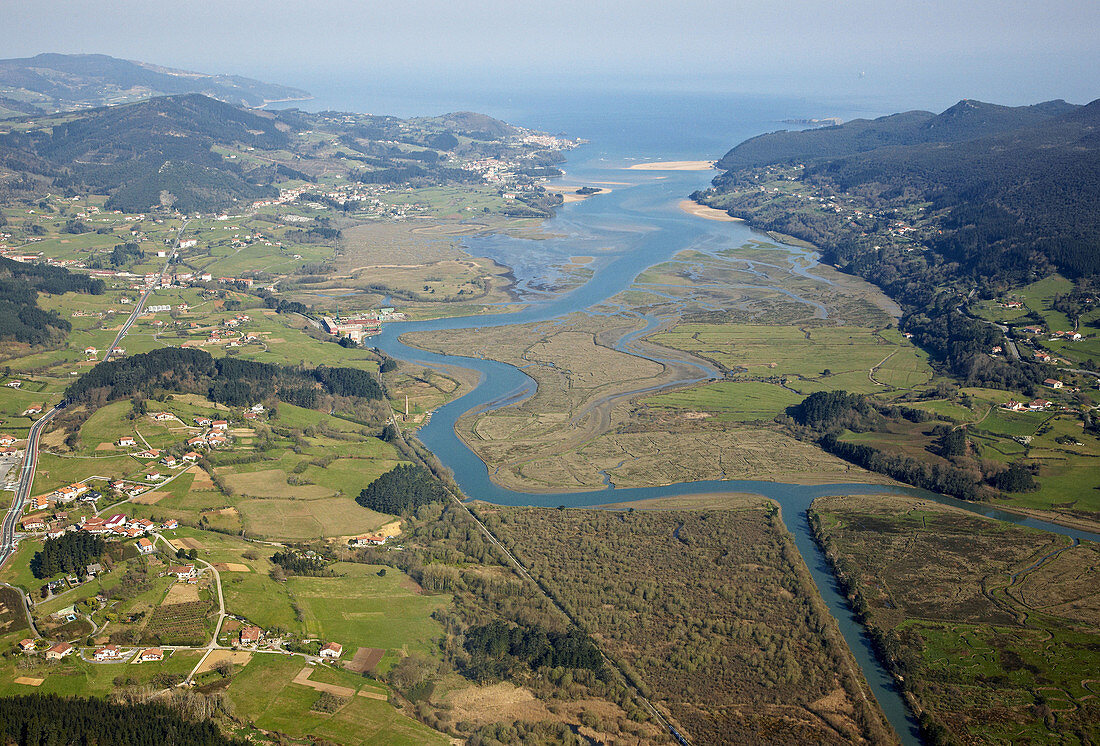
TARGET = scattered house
(7,440)
(27,645)
(91,351)
(997,350)
(126,440)
(170,524)
(39,502)
(151,654)
(257,408)
(118,519)
(150,453)
(94,569)
(145,546)
(1042,356)
(13,384)
(153,476)
(220,425)
(203,421)
(107,653)
(142,524)
(90,496)
(1039,404)
(216,439)
(367,540)
(183,572)
(251,416)
(1032,330)
(198,440)
(95,526)
(163,416)
(250,635)
(55,530)
(33,523)
(70,492)
(331,650)
(191,457)
(32,410)
(1053,383)
(169,461)
(59,651)
(1012,304)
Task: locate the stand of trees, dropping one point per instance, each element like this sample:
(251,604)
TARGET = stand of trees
(69,553)
(496,648)
(230,381)
(21,319)
(403,489)
(298,564)
(50,720)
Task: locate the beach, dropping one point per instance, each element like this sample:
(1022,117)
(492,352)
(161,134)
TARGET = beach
(569,192)
(710,213)
(674,166)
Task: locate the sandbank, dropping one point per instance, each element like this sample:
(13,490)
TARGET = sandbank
(569,194)
(710,213)
(674,166)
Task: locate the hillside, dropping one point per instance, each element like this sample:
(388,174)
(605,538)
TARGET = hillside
(49,83)
(1012,189)
(965,120)
(934,209)
(194,153)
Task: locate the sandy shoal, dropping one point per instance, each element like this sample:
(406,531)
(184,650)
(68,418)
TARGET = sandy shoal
(710,213)
(674,166)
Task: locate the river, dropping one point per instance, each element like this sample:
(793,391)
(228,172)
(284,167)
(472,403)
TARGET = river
(636,225)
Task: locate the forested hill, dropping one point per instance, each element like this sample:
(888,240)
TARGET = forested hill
(1014,190)
(49,83)
(145,153)
(193,153)
(966,120)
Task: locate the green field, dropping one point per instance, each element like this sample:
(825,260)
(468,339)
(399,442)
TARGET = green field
(801,356)
(365,610)
(263,694)
(735,401)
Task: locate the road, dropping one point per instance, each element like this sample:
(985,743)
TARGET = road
(30,458)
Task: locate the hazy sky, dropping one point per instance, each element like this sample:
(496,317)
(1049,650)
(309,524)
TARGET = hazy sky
(934,52)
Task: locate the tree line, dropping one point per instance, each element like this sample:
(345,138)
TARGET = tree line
(50,720)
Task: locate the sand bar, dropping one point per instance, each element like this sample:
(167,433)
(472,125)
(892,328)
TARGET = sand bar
(674,166)
(710,213)
(569,192)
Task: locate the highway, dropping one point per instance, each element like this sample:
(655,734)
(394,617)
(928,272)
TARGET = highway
(30,457)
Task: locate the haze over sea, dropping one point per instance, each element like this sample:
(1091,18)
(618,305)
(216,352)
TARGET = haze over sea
(642,125)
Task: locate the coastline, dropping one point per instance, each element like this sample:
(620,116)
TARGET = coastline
(709,213)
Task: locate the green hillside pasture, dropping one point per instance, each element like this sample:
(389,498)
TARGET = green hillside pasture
(735,401)
(281,518)
(364,610)
(1038,296)
(73,676)
(263,693)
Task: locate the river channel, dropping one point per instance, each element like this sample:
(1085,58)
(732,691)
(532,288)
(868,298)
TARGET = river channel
(636,225)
